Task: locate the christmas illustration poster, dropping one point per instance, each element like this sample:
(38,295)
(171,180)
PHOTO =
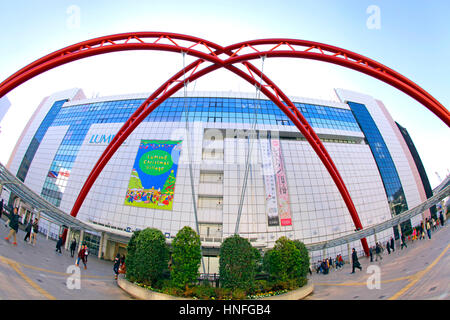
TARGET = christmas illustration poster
(152,180)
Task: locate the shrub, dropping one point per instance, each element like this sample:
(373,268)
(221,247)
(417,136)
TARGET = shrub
(237,263)
(286,263)
(186,257)
(304,258)
(149,258)
(130,257)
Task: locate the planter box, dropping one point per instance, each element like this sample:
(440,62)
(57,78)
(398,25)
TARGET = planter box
(145,294)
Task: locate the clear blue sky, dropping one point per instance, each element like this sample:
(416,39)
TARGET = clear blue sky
(413,39)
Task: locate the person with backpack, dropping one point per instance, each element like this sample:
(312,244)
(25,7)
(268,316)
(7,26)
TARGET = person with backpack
(81,256)
(14,225)
(34,231)
(378,252)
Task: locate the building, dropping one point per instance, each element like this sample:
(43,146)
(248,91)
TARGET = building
(235,140)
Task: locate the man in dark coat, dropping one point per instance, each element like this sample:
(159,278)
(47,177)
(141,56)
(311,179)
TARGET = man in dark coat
(371,254)
(441,217)
(355,262)
(378,252)
(388,247)
(14,225)
(28,230)
(73,246)
(59,244)
(392,244)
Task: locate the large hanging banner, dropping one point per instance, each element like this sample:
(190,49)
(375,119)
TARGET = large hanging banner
(152,181)
(282,188)
(268,174)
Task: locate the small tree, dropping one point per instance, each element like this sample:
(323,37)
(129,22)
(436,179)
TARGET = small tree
(151,256)
(284,261)
(237,263)
(186,257)
(304,258)
(131,254)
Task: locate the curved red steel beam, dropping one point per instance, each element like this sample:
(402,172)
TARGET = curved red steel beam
(84,50)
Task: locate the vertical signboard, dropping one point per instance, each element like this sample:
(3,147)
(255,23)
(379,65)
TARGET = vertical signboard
(268,174)
(152,181)
(281,182)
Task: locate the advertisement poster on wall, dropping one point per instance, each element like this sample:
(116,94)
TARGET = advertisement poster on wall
(152,180)
(269,183)
(284,208)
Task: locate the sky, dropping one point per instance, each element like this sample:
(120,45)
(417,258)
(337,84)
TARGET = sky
(411,37)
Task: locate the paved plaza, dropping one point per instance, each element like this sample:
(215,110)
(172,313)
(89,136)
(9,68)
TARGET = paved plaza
(38,272)
(421,271)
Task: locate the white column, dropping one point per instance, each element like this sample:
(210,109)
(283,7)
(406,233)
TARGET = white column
(349,253)
(66,245)
(100,249)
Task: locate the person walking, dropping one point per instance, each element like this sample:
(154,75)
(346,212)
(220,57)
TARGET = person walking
(378,252)
(86,253)
(414,234)
(392,244)
(81,256)
(388,247)
(428,227)
(14,225)
(73,246)
(403,242)
(355,261)
(28,230)
(116,265)
(441,217)
(371,254)
(59,244)
(34,231)
(1,207)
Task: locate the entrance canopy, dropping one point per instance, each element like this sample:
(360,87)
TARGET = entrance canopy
(17,187)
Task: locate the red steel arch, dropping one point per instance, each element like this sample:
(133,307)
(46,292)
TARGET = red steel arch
(135,41)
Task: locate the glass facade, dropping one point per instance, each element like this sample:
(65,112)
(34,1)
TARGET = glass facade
(386,167)
(37,138)
(79,118)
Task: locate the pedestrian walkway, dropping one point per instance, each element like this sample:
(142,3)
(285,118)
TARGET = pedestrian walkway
(38,272)
(420,271)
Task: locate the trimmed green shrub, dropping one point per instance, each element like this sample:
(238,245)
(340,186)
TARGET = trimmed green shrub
(304,258)
(237,263)
(130,257)
(286,262)
(186,258)
(150,258)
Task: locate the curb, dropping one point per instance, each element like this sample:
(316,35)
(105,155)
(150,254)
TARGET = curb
(145,294)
